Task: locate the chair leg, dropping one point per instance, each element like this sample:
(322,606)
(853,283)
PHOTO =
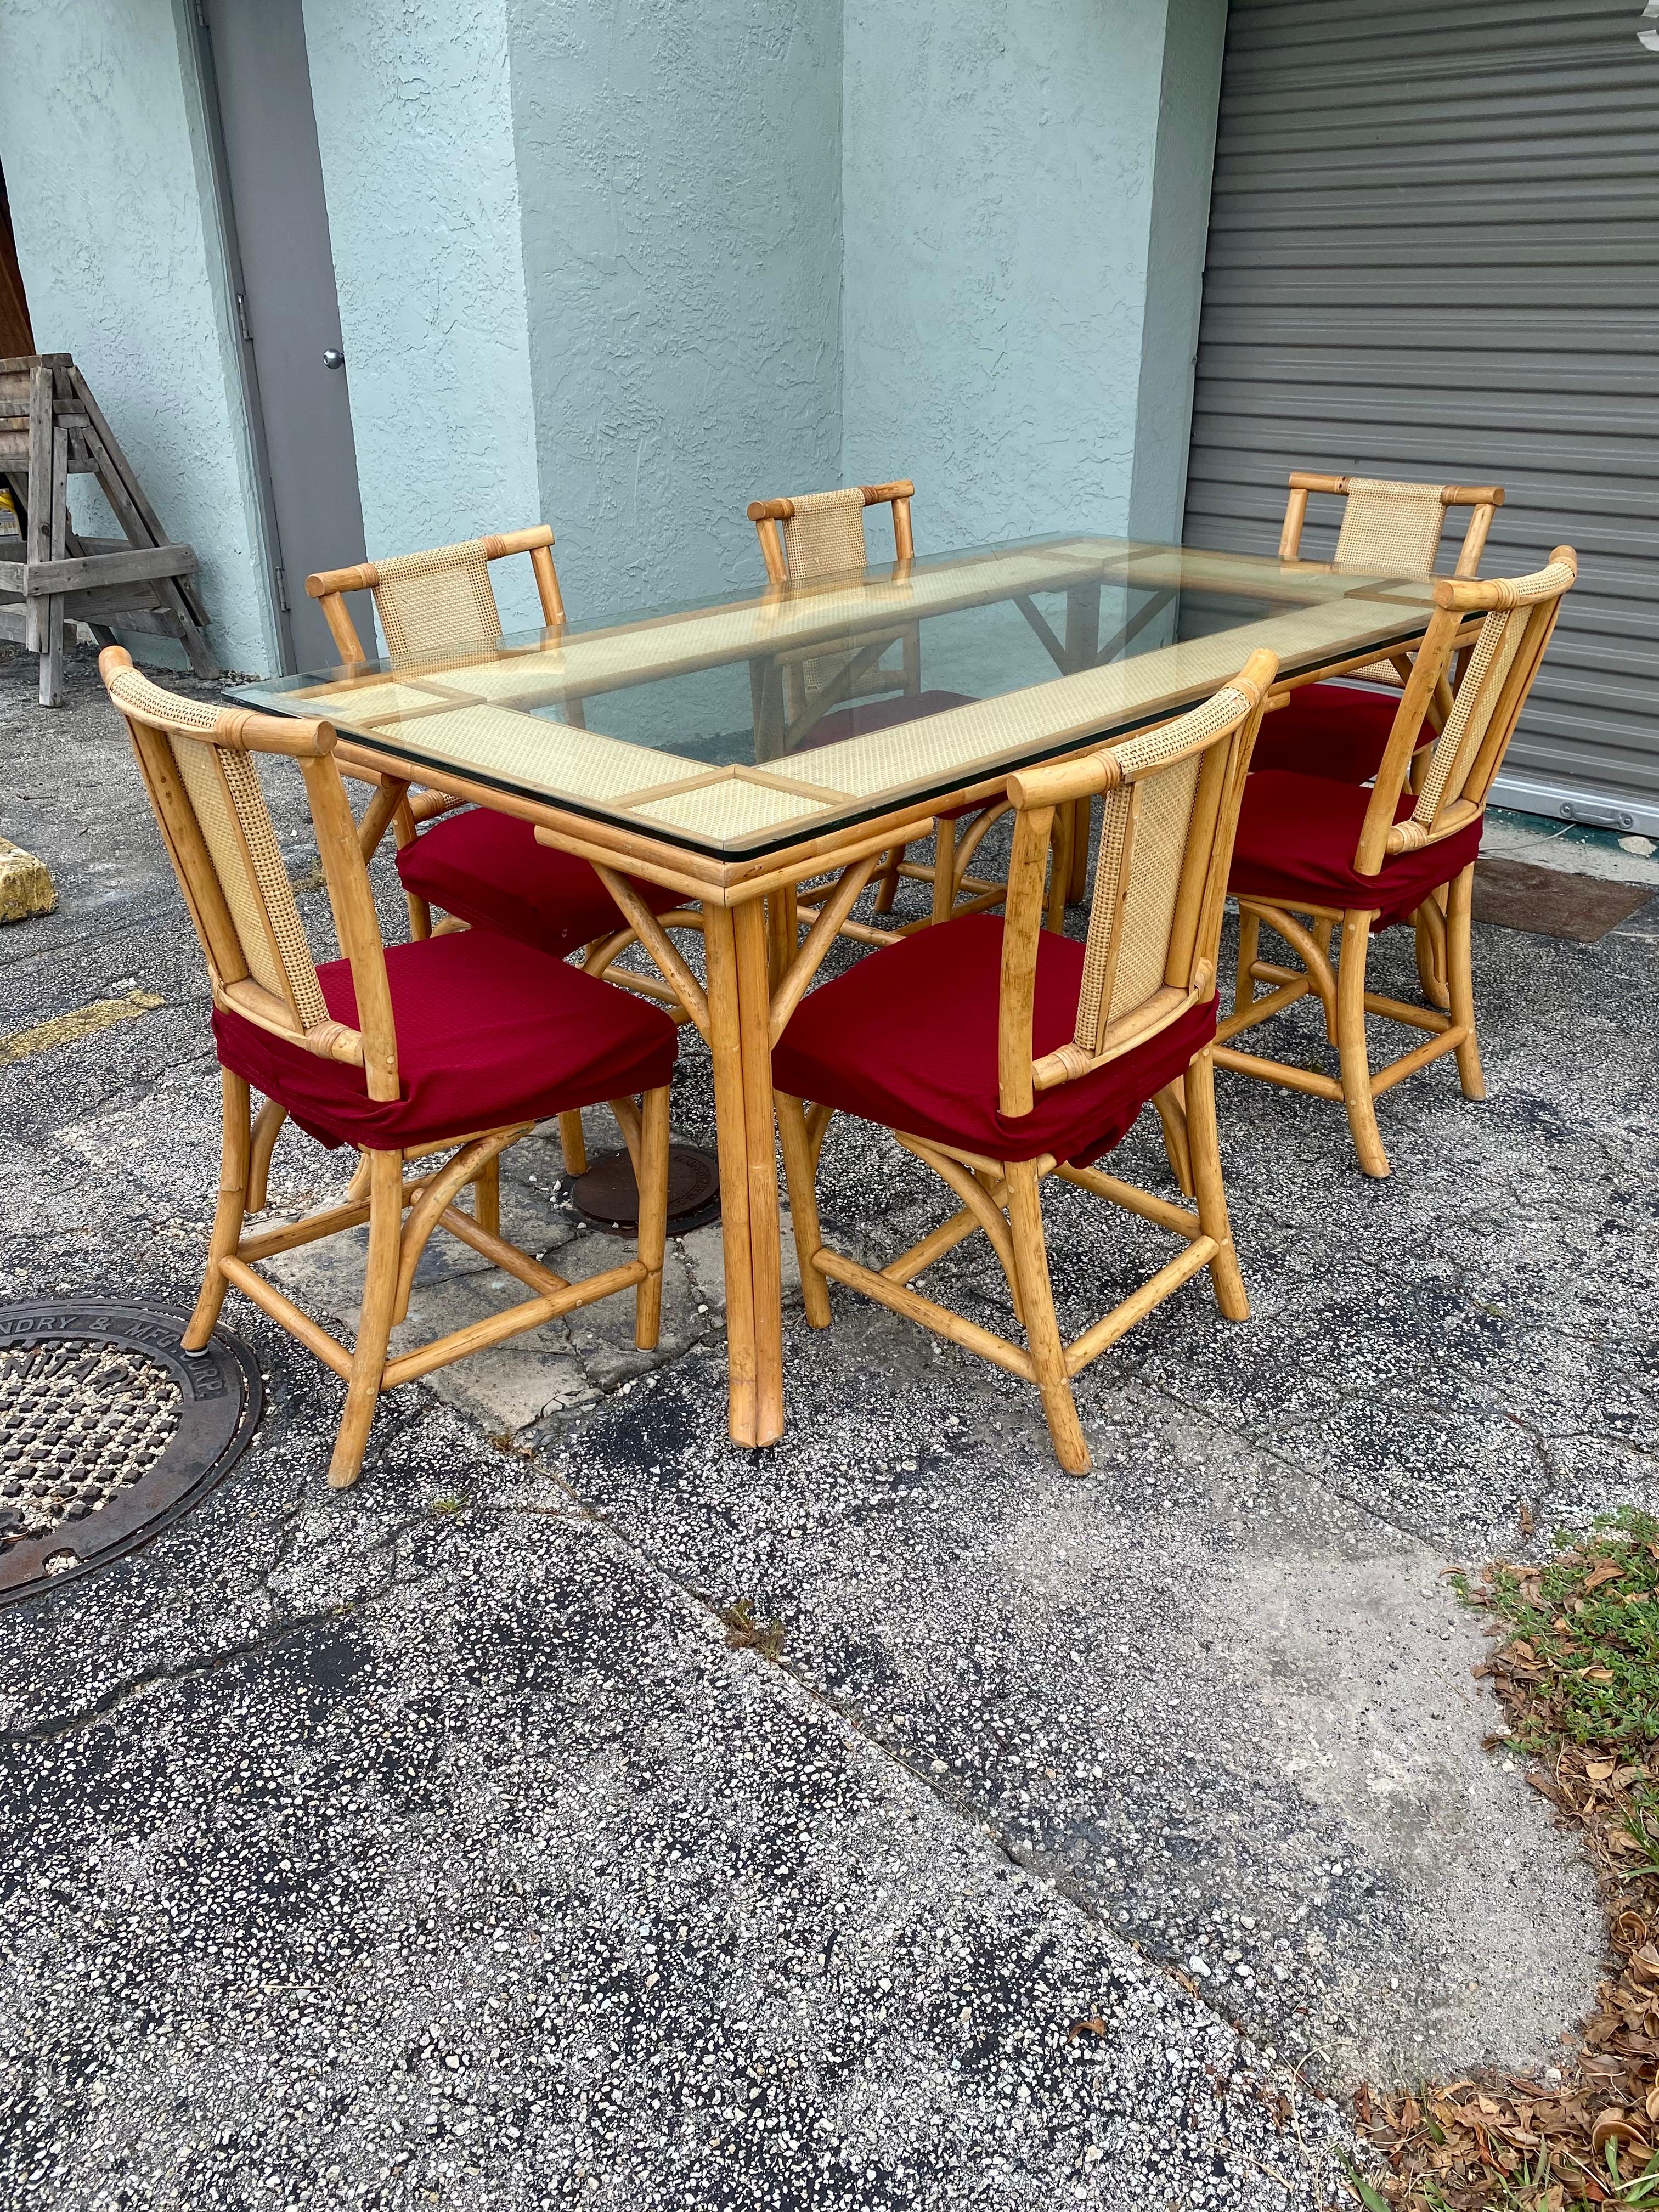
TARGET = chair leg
(800,1180)
(228,1215)
(890,881)
(1429,927)
(1460,982)
(403,832)
(1202,1136)
(266,1130)
(385,1225)
(1176,1148)
(1351,1044)
(1060,869)
(573,1144)
(1250,949)
(487,1196)
(944,869)
(653,1216)
(1077,887)
(1036,1299)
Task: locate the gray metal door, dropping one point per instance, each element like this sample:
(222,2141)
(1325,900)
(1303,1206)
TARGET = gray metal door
(289,313)
(1434,252)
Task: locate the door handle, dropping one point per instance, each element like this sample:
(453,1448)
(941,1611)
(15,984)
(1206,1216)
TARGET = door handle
(332,358)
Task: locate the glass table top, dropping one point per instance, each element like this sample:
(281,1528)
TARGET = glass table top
(752,720)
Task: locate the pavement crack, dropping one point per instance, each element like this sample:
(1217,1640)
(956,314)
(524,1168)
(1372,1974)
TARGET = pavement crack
(282,1628)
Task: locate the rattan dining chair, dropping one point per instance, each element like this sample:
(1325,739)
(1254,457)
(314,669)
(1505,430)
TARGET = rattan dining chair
(457,1044)
(822,534)
(1001,1053)
(1388,528)
(1347,857)
(482,868)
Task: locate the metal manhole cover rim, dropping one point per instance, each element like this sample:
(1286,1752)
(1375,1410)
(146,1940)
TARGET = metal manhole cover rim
(221,1401)
(705,1211)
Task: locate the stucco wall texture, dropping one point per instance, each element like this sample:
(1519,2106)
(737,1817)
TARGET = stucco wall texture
(623,265)
(998,166)
(681,174)
(101,142)
(415,127)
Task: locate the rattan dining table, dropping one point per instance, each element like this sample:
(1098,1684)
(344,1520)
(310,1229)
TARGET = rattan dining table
(710,748)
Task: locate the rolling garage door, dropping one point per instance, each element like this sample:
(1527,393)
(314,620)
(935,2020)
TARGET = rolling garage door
(1434,252)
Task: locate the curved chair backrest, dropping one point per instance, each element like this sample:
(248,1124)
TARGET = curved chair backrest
(823,530)
(439,601)
(1391,527)
(1171,808)
(1476,715)
(197,763)
(822,534)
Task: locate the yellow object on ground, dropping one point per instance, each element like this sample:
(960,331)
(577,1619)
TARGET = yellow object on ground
(84,1021)
(25,884)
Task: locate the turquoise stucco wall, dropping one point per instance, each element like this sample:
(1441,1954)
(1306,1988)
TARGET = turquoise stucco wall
(118,244)
(1020,312)
(681,175)
(414,126)
(589,266)
(622,267)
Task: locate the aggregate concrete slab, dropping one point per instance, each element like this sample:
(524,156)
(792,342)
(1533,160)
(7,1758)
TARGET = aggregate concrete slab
(1121,1785)
(388,1852)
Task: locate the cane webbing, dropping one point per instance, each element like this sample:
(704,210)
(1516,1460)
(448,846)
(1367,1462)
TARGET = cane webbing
(1102,916)
(1157,866)
(824,534)
(1472,711)
(1390,529)
(1128,943)
(1488,670)
(426,601)
(162,710)
(733,804)
(229,805)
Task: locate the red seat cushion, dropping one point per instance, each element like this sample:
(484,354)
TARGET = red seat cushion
(488,1032)
(908,1038)
(487,869)
(887,714)
(1297,838)
(1330,730)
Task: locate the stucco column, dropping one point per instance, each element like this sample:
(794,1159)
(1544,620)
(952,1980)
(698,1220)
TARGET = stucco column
(1025,196)
(102,143)
(414,125)
(680,169)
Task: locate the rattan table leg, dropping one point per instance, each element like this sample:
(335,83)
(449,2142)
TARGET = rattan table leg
(725,1051)
(760,1139)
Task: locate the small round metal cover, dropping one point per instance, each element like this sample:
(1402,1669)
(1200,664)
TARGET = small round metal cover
(109,1432)
(607,1197)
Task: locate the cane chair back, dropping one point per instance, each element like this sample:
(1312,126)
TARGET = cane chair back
(1170,806)
(820,534)
(1172,798)
(1480,707)
(1471,692)
(1392,528)
(438,601)
(197,764)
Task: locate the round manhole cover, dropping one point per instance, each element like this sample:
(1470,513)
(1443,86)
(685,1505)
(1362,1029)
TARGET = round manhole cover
(108,1432)
(608,1198)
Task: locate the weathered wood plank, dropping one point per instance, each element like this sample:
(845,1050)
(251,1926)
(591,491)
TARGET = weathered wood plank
(51,660)
(139,563)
